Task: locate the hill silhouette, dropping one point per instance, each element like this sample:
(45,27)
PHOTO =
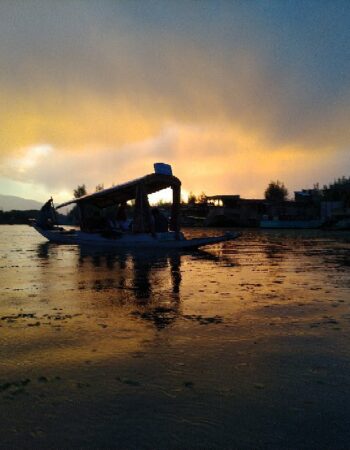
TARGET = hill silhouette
(11,202)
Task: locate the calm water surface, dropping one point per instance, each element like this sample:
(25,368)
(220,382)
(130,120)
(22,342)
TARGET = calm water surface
(243,345)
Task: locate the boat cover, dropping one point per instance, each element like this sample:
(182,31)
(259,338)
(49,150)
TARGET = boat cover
(127,191)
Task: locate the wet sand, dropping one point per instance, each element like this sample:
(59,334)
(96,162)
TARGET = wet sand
(244,345)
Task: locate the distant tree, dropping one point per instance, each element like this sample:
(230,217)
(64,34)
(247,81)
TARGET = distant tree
(80,191)
(99,187)
(276,192)
(162,203)
(192,199)
(339,190)
(202,198)
(73,215)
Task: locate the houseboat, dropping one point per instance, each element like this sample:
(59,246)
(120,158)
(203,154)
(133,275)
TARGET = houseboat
(103,221)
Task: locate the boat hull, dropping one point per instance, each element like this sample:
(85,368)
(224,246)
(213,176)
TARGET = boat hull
(161,240)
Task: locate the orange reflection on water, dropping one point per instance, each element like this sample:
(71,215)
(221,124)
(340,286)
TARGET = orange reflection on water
(196,338)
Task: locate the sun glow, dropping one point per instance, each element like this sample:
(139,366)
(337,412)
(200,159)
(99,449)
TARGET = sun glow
(166,196)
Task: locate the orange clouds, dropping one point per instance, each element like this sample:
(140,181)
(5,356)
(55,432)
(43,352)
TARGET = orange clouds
(231,95)
(210,159)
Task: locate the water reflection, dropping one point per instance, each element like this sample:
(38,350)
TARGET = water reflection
(149,282)
(275,250)
(145,277)
(43,250)
(81,329)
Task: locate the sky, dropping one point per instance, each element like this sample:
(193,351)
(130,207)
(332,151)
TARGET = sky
(233,94)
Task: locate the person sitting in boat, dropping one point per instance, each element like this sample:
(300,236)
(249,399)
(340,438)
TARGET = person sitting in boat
(121,217)
(95,223)
(112,223)
(161,223)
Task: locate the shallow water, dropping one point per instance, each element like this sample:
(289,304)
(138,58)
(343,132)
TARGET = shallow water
(244,344)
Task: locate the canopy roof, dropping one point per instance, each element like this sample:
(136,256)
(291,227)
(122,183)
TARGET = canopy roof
(127,191)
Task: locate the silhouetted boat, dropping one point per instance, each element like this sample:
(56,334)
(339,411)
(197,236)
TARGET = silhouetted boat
(143,231)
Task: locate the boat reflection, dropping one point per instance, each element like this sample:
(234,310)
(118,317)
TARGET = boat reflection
(145,284)
(42,251)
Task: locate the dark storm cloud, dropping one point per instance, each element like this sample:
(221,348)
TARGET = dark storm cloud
(247,77)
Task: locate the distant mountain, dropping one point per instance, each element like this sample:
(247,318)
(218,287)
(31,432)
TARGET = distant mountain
(9,202)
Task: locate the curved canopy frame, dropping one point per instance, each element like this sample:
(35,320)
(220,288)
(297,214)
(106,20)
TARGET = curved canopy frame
(127,191)
(136,189)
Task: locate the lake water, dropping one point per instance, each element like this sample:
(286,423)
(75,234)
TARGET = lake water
(242,345)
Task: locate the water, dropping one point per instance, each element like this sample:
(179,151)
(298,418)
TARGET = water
(245,344)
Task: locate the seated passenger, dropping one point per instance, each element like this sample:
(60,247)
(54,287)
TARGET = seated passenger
(160,221)
(95,223)
(121,217)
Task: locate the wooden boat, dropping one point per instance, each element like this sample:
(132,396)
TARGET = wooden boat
(143,232)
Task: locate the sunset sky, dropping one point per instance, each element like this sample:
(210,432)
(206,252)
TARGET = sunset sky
(232,94)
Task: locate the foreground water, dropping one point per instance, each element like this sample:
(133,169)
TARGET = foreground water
(244,345)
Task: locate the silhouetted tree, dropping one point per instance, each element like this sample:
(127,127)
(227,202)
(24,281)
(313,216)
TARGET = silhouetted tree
(202,198)
(162,204)
(73,214)
(339,190)
(191,198)
(276,192)
(99,187)
(80,191)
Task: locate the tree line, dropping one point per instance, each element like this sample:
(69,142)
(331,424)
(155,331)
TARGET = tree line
(276,191)
(339,190)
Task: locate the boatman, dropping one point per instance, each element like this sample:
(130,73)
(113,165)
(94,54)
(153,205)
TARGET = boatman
(161,224)
(121,217)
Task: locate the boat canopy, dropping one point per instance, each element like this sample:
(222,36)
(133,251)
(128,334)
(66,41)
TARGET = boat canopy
(127,191)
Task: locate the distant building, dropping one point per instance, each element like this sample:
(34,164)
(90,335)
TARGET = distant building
(309,209)
(308,196)
(226,201)
(332,209)
(232,210)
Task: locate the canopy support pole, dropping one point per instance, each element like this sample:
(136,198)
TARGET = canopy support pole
(81,215)
(175,211)
(143,220)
